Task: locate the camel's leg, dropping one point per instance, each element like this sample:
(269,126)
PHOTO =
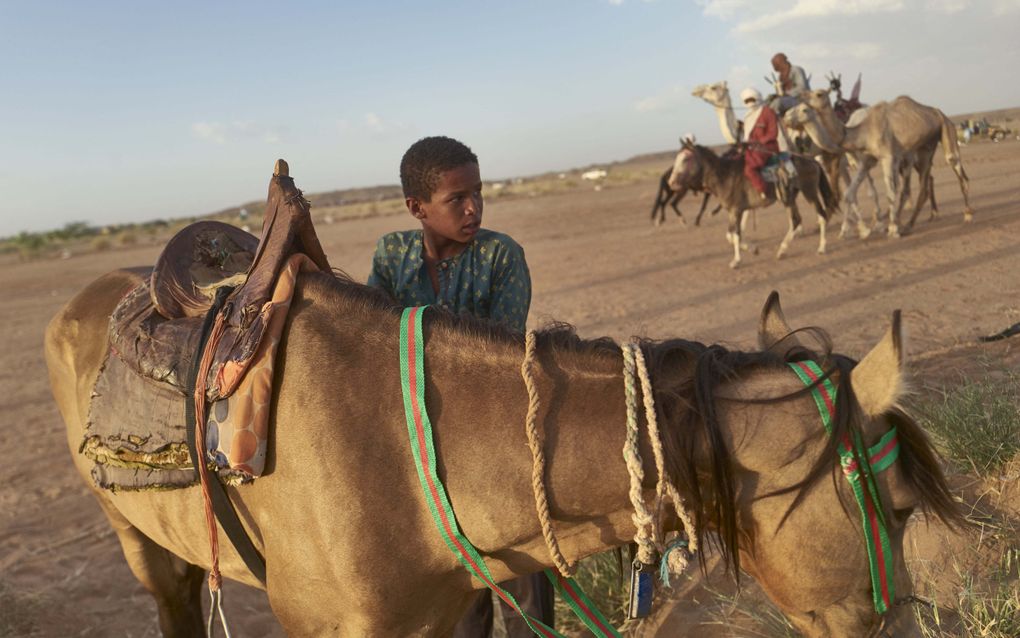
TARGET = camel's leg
(822,221)
(175,584)
(843,174)
(890,172)
(931,194)
(957,165)
(864,166)
(926,183)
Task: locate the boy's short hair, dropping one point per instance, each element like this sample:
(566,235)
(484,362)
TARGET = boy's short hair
(426,160)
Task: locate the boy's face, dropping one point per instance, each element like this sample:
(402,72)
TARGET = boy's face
(454,212)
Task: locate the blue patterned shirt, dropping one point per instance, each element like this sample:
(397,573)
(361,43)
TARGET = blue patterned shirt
(489,279)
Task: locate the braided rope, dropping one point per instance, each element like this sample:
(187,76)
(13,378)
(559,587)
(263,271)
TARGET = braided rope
(665,487)
(538,455)
(650,536)
(641,517)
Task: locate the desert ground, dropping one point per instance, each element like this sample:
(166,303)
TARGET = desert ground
(596,262)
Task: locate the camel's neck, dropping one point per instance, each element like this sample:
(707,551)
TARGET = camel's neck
(821,136)
(831,126)
(727,121)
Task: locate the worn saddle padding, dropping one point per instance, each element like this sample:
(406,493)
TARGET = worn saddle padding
(135,431)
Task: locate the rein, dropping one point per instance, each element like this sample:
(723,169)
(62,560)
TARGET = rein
(419,430)
(874,459)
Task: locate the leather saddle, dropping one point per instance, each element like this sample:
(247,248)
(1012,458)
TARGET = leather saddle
(155,328)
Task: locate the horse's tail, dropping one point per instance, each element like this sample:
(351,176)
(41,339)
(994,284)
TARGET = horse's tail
(828,195)
(951,148)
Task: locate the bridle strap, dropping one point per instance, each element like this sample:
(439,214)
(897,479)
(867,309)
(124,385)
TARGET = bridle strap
(875,459)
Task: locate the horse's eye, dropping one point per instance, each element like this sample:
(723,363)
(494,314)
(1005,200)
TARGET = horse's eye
(901,515)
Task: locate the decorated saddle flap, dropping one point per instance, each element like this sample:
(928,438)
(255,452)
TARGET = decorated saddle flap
(136,432)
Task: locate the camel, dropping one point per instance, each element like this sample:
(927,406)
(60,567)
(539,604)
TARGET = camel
(724,178)
(349,545)
(898,135)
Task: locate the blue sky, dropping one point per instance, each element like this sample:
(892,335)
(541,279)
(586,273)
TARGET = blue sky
(116,112)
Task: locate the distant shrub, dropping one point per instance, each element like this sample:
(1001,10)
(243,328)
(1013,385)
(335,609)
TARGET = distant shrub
(101,243)
(127,238)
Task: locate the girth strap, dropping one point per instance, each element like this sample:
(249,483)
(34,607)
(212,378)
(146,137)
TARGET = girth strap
(225,513)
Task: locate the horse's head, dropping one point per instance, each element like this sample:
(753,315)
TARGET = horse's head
(799,528)
(717,94)
(686,168)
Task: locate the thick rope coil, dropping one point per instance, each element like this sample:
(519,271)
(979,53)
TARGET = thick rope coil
(535,442)
(649,536)
(665,487)
(642,518)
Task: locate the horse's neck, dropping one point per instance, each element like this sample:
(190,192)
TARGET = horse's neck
(724,178)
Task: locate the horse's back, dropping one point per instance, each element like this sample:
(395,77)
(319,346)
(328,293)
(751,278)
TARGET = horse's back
(76,342)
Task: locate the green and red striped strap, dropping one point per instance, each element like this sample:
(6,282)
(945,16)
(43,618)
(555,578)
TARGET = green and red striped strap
(419,430)
(879,457)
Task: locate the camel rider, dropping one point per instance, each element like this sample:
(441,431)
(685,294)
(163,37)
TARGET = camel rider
(790,85)
(761,130)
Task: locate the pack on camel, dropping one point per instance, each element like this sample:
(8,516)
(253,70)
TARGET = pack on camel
(724,178)
(899,135)
(348,542)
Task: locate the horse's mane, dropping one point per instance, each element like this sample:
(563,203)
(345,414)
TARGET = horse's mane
(687,374)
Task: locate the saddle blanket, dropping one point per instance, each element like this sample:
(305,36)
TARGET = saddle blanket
(777,165)
(136,433)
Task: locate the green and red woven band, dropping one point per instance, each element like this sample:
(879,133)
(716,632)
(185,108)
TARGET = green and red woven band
(877,458)
(419,430)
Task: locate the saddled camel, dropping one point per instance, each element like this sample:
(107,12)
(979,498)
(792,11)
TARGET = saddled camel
(724,178)
(899,135)
(345,530)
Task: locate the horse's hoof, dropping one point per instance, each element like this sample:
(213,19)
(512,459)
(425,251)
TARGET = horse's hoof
(821,251)
(894,233)
(968,215)
(864,232)
(734,264)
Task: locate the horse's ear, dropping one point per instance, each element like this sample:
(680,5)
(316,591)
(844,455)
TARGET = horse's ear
(879,381)
(772,327)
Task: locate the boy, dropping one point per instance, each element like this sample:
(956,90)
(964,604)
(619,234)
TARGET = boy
(453,263)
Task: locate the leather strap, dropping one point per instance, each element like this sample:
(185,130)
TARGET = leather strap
(225,513)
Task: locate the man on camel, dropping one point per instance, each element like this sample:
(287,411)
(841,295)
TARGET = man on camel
(790,85)
(761,132)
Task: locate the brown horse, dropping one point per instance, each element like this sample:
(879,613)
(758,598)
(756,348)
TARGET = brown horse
(349,544)
(724,178)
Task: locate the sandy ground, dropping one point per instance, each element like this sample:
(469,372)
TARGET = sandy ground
(596,262)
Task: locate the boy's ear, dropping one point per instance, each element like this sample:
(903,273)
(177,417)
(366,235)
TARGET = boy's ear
(414,207)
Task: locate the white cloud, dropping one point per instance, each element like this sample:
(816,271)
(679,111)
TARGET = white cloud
(668,99)
(212,131)
(377,125)
(817,9)
(220,133)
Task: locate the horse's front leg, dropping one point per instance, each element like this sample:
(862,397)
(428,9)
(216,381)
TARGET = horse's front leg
(795,227)
(733,234)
